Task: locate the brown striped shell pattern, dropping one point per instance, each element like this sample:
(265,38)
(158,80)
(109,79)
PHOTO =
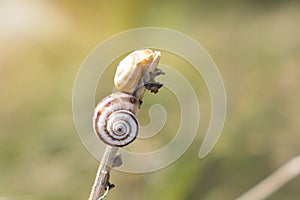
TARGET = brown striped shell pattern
(114,119)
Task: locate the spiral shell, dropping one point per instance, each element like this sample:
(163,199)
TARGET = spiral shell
(135,66)
(114,119)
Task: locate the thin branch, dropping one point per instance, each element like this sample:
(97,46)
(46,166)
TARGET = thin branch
(274,181)
(102,176)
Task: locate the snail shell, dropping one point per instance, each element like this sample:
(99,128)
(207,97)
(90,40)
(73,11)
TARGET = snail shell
(135,66)
(114,119)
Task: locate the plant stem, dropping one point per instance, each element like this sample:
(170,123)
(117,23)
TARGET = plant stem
(274,181)
(102,176)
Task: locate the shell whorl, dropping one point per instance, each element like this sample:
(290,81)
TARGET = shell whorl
(114,120)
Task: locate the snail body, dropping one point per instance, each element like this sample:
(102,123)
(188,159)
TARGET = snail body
(114,120)
(135,69)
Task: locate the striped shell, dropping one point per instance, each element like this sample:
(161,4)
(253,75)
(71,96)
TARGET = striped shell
(135,66)
(114,120)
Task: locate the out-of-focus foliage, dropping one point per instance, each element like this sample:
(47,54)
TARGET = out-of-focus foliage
(256,45)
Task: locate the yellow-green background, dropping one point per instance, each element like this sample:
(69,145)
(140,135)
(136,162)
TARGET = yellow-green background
(256,45)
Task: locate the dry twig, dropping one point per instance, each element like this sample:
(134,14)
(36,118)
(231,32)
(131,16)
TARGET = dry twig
(274,181)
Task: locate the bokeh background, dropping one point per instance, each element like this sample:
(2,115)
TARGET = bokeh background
(256,45)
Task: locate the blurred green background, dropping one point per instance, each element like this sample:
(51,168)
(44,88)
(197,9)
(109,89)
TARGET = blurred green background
(256,45)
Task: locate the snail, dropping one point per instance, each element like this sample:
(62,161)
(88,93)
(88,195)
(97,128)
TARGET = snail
(114,119)
(138,69)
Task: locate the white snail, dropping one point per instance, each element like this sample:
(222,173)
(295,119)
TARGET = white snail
(137,69)
(114,119)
